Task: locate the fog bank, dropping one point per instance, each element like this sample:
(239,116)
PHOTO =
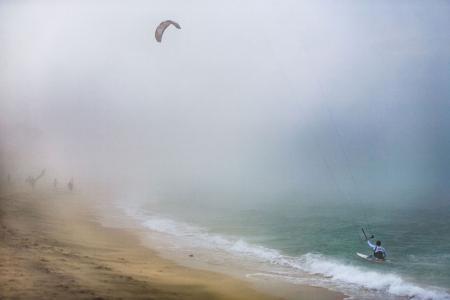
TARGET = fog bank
(249,101)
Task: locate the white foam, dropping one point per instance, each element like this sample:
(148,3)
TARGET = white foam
(387,282)
(332,272)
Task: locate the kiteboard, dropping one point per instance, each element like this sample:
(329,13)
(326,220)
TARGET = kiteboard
(369,258)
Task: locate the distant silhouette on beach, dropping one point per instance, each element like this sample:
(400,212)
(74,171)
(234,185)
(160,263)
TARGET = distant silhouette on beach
(70,185)
(33,180)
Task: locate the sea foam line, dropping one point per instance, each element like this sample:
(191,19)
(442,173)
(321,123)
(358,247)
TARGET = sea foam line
(333,271)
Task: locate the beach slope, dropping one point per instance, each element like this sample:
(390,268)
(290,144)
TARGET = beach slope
(52,247)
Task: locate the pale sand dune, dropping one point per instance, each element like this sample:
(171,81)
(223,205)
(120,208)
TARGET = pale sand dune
(51,247)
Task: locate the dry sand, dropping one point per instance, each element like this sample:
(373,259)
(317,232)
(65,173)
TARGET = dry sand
(52,247)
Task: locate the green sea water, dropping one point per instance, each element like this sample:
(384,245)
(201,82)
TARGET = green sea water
(415,236)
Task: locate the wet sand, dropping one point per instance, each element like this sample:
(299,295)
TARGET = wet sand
(52,247)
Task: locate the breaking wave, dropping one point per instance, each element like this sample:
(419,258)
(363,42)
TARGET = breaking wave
(322,270)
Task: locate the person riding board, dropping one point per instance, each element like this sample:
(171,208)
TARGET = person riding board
(378,251)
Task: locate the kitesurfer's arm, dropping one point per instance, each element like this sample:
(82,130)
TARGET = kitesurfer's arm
(371,245)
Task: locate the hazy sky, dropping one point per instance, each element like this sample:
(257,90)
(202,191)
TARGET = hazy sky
(249,99)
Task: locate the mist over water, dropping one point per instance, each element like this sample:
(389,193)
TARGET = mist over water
(259,106)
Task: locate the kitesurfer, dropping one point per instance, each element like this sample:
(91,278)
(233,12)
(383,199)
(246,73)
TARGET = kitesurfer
(378,251)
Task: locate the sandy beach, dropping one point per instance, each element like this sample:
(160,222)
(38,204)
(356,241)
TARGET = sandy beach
(52,247)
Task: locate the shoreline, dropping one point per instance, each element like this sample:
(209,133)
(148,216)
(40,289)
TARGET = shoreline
(53,246)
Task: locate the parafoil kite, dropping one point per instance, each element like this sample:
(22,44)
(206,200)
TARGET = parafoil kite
(162,27)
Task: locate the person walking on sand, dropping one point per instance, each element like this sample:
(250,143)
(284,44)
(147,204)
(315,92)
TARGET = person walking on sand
(55,183)
(70,185)
(32,180)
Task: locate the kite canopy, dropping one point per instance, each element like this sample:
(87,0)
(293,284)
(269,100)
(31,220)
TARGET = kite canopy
(162,27)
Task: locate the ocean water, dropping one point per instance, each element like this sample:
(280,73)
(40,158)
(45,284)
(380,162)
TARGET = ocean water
(314,243)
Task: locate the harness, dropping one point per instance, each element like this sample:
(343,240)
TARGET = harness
(378,252)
